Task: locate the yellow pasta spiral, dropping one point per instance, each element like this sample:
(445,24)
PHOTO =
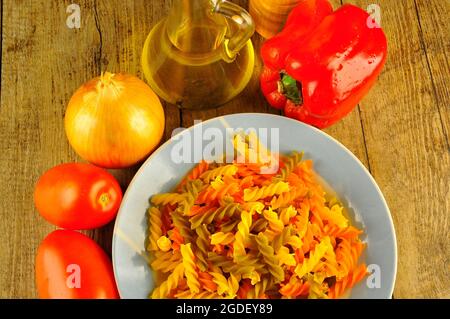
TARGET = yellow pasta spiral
(295,242)
(285,258)
(155,227)
(242,234)
(219,171)
(189,268)
(335,216)
(329,266)
(286,215)
(228,287)
(254,277)
(166,261)
(163,290)
(253,194)
(253,207)
(259,289)
(168,198)
(275,224)
(249,260)
(317,288)
(315,256)
(285,199)
(221,238)
(221,282)
(233,283)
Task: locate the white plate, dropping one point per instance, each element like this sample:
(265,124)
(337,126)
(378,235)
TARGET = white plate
(336,164)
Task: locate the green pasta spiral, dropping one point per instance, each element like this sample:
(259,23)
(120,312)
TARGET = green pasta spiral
(290,164)
(229,226)
(168,198)
(269,257)
(191,191)
(182,223)
(203,246)
(282,238)
(207,218)
(259,226)
(242,266)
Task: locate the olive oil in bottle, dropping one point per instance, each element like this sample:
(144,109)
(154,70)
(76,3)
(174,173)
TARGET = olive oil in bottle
(201,55)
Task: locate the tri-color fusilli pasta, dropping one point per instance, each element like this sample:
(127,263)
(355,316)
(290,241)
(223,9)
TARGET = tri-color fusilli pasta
(229,231)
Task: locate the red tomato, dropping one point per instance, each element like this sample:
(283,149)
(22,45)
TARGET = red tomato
(77,196)
(70,265)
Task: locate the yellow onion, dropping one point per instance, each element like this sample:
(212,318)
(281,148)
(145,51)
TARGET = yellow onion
(114,120)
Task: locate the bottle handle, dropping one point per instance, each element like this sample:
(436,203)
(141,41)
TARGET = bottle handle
(241,27)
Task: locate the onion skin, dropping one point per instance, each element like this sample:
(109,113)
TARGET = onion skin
(114,121)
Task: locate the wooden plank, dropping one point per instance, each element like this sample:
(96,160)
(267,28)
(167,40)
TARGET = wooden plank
(404,120)
(43,62)
(1,43)
(190,117)
(409,154)
(435,34)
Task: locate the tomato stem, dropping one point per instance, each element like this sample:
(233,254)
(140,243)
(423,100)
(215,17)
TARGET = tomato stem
(104,200)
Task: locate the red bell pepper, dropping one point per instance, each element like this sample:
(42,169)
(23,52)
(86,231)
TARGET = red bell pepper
(322,63)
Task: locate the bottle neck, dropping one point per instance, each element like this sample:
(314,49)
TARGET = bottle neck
(192,26)
(193,8)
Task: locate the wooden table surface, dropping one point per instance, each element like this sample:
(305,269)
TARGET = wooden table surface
(400,131)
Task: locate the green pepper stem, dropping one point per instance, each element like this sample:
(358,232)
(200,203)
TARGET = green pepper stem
(290,88)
